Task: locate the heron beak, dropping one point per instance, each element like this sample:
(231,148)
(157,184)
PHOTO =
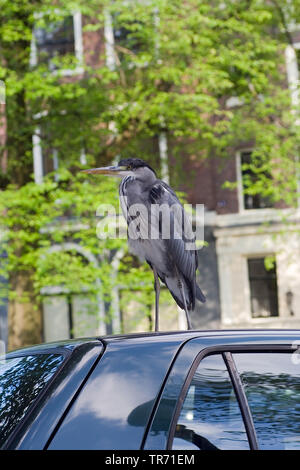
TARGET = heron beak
(106,170)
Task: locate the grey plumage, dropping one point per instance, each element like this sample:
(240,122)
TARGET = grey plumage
(159,231)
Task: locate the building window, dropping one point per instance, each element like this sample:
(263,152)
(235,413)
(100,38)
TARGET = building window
(249,173)
(263,289)
(45,158)
(126,37)
(50,161)
(57,40)
(48,153)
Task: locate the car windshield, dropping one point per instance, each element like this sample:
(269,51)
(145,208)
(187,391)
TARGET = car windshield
(21,380)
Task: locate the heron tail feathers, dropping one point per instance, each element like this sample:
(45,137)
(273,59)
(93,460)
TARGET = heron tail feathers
(199,294)
(190,295)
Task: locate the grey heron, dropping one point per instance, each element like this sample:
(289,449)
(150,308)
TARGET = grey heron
(171,253)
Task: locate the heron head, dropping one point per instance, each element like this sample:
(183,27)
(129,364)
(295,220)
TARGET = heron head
(126,167)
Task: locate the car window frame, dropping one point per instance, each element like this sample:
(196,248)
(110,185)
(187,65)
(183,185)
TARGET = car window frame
(157,434)
(226,352)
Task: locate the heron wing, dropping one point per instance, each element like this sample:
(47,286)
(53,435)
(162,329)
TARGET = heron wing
(181,242)
(180,245)
(184,257)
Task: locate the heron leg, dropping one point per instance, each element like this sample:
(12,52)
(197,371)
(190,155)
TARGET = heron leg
(180,285)
(157,292)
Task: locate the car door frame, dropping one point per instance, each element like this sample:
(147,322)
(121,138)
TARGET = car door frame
(185,365)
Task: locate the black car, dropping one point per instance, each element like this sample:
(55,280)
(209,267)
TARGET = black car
(183,390)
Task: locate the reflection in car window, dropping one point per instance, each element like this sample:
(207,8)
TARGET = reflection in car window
(210,417)
(272,386)
(21,380)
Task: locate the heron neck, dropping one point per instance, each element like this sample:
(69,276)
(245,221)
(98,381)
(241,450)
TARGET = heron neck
(146,179)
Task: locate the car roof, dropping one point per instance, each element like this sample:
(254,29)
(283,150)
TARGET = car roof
(179,336)
(187,334)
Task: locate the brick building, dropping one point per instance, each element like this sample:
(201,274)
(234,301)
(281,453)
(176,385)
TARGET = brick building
(241,231)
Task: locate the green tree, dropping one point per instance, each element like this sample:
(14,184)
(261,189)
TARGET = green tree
(65,112)
(176,65)
(172,69)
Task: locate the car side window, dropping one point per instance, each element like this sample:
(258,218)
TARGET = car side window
(210,417)
(272,386)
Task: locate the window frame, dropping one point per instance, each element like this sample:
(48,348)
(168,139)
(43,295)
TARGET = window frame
(38,154)
(110,39)
(240,188)
(226,352)
(78,47)
(249,279)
